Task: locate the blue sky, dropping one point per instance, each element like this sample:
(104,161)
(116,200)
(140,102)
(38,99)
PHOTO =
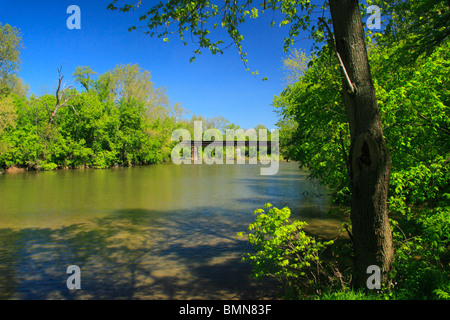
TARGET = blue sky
(210,86)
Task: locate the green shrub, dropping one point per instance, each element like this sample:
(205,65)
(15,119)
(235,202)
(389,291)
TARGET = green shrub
(47,166)
(284,251)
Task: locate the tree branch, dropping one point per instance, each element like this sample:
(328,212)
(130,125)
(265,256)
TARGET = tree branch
(341,64)
(59,95)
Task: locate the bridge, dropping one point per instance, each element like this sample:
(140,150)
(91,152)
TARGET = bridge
(196,144)
(225,143)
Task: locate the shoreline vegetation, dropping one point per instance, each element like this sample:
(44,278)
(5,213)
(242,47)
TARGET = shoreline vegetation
(119,119)
(16,169)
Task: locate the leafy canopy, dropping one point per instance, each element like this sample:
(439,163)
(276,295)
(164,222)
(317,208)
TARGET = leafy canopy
(198,19)
(413,99)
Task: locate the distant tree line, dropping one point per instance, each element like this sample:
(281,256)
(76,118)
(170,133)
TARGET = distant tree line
(118,118)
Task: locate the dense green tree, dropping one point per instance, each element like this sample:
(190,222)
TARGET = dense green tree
(83,76)
(419,25)
(314,127)
(129,81)
(10,83)
(414,106)
(11,44)
(8,113)
(120,118)
(294,65)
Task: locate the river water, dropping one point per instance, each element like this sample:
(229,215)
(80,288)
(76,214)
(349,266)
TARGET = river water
(151,232)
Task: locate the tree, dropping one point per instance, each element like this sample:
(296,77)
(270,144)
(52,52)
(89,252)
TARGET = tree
(422,25)
(218,122)
(416,120)
(11,40)
(126,82)
(121,118)
(295,65)
(8,113)
(16,85)
(177,112)
(10,46)
(83,76)
(368,156)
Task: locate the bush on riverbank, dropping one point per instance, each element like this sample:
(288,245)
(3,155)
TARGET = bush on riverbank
(310,268)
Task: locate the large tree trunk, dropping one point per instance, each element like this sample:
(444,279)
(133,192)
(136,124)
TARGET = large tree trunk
(369,158)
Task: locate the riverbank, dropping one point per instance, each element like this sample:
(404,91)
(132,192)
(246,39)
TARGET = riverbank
(16,169)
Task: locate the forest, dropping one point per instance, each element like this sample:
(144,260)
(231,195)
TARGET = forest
(119,118)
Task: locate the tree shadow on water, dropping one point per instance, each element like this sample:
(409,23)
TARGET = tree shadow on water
(132,254)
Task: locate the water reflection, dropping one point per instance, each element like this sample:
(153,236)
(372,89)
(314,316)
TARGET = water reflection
(160,232)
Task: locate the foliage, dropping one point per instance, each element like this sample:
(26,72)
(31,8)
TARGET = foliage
(420,25)
(417,121)
(294,65)
(8,113)
(120,119)
(413,103)
(414,99)
(203,19)
(11,44)
(313,124)
(130,124)
(348,295)
(284,251)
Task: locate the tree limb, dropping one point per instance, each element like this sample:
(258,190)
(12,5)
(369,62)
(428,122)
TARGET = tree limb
(341,64)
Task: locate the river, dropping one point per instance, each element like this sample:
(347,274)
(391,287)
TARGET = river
(150,232)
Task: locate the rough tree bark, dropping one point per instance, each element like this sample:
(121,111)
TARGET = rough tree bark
(369,158)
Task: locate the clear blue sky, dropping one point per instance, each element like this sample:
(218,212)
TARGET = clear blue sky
(210,86)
